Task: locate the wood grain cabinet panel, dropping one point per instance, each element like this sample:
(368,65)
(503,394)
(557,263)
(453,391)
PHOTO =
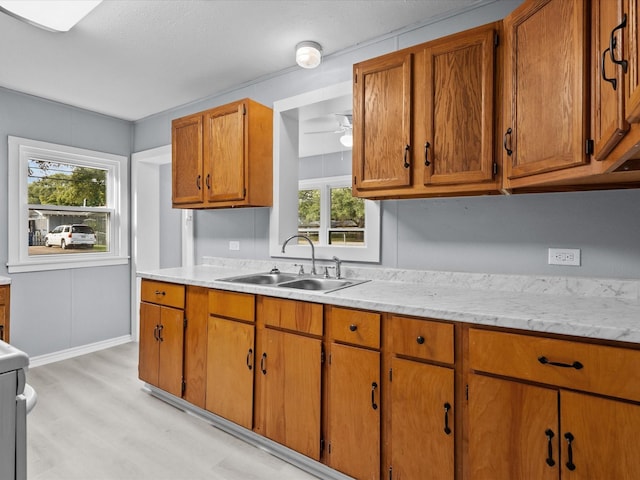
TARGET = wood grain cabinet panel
(353,406)
(423,339)
(303,317)
(545,109)
(631,35)
(356,327)
(223,157)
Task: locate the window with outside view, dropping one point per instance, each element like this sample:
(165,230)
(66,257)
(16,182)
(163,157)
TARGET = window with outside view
(328,214)
(67,204)
(68,207)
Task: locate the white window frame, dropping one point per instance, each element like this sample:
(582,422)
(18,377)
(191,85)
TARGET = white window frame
(23,149)
(324,185)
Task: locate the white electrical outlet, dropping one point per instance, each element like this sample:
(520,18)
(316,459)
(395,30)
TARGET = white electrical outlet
(234,245)
(564,256)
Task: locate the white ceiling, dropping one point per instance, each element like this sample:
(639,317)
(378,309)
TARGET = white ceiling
(134,58)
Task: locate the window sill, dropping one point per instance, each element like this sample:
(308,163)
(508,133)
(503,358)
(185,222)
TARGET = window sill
(56,264)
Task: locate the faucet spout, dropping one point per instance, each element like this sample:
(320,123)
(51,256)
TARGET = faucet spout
(313,250)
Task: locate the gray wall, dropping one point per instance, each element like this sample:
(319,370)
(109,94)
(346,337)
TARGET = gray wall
(61,309)
(476,234)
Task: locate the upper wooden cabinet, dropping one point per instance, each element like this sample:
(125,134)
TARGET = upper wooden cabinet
(223,157)
(545,109)
(424,119)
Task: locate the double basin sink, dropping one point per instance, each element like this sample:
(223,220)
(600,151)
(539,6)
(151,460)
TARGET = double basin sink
(300,282)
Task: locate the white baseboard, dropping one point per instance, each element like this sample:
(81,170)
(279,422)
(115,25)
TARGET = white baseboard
(77,351)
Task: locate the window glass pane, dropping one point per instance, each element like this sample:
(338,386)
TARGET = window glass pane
(309,214)
(347,218)
(67,231)
(52,183)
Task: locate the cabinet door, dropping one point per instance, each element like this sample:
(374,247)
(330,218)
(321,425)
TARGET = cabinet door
(609,123)
(545,99)
(224,148)
(459,86)
(4,312)
(195,345)
(171,341)
(149,359)
(230,363)
(632,54)
(382,122)
(291,395)
(513,431)
(353,427)
(605,438)
(186,168)
(422,421)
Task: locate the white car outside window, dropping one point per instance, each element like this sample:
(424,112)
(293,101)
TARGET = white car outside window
(68,236)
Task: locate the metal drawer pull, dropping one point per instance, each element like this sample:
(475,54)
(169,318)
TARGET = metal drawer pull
(508,133)
(569,438)
(250,359)
(406,152)
(353,327)
(613,81)
(262,363)
(160,328)
(420,340)
(612,45)
(198,178)
(374,405)
(447,407)
(426,154)
(545,361)
(159,292)
(550,461)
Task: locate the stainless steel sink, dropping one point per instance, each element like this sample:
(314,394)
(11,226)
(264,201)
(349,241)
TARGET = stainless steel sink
(262,278)
(289,280)
(323,284)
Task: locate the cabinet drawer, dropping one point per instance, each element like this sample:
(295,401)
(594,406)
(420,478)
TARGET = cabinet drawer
(4,294)
(356,327)
(581,366)
(422,339)
(241,306)
(162,293)
(293,315)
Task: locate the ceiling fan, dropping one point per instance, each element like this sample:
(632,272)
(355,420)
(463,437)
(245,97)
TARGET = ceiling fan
(345,126)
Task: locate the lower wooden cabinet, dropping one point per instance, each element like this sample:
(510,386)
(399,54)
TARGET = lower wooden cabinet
(353,409)
(289,374)
(230,363)
(548,430)
(422,421)
(230,356)
(161,347)
(4,313)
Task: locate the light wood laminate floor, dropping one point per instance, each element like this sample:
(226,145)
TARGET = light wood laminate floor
(93,421)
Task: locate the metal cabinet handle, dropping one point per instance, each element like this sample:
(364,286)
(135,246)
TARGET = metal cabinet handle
(612,45)
(160,292)
(208,181)
(570,438)
(262,363)
(545,361)
(507,134)
(420,340)
(160,328)
(374,386)
(549,434)
(353,327)
(613,81)
(250,359)
(406,154)
(155,333)
(426,154)
(1,332)
(447,407)
(198,179)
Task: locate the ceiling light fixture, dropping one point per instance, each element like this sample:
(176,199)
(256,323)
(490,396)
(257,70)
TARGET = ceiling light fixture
(308,54)
(52,15)
(347,140)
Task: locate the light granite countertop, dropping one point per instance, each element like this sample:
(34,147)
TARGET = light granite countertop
(4,280)
(606,309)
